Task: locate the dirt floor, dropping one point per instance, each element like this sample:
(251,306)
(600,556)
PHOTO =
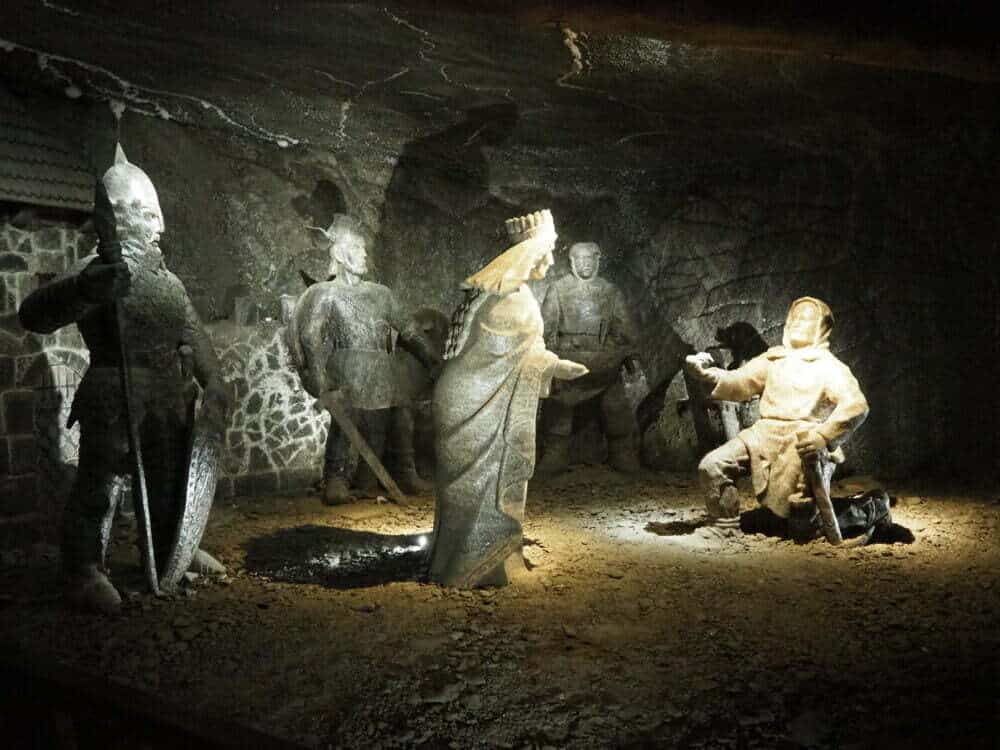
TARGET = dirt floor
(619,636)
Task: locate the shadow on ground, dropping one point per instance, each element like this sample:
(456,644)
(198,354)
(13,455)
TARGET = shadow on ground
(762,521)
(338,558)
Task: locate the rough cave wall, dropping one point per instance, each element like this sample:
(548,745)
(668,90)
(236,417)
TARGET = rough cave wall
(892,232)
(721,185)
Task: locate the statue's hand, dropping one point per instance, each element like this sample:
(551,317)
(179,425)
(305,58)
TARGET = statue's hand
(698,364)
(215,404)
(810,444)
(568,370)
(101,282)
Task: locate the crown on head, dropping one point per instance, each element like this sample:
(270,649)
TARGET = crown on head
(530,225)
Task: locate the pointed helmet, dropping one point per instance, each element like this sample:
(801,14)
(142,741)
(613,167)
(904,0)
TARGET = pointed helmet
(127,185)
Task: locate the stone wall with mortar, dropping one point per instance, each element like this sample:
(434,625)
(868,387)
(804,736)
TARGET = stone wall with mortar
(277,432)
(274,443)
(38,378)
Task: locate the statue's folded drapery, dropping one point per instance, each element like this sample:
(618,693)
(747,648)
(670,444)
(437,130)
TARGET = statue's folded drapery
(485,407)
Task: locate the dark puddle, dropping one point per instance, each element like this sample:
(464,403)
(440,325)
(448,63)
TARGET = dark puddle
(674,528)
(338,558)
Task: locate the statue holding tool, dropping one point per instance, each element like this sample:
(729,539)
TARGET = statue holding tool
(364,359)
(810,405)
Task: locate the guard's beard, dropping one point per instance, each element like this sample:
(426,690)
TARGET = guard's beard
(144,253)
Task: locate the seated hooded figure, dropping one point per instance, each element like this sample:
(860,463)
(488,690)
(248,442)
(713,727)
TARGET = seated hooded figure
(810,404)
(342,337)
(485,403)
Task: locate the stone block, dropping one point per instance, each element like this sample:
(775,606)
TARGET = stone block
(18,495)
(4,458)
(6,297)
(23,454)
(49,239)
(259,460)
(13,263)
(26,284)
(50,263)
(18,412)
(6,372)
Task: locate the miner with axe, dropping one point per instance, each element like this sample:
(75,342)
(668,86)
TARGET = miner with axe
(136,402)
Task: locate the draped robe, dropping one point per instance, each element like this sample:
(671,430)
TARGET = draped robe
(485,407)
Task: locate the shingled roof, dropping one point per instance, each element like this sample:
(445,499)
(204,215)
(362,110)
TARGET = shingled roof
(37,166)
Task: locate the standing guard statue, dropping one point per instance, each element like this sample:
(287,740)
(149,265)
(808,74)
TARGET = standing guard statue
(586,321)
(136,402)
(342,337)
(810,404)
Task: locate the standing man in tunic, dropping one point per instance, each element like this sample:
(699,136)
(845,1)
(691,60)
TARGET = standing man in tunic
(342,336)
(586,320)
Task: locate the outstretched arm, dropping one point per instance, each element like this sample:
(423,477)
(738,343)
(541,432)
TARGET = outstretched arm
(57,304)
(741,384)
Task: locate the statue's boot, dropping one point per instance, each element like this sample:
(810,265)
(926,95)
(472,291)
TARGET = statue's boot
(621,455)
(89,589)
(336,492)
(366,484)
(728,519)
(555,458)
(204,564)
(406,475)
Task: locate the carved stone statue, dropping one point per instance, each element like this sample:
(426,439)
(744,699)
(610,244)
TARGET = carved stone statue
(484,412)
(123,299)
(810,404)
(342,337)
(586,320)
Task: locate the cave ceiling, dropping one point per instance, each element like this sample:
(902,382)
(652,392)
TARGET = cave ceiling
(617,77)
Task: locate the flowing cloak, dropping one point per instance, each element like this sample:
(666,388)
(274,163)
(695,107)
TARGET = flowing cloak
(485,405)
(800,389)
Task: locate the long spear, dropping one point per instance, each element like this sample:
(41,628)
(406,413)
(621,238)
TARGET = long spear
(109,249)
